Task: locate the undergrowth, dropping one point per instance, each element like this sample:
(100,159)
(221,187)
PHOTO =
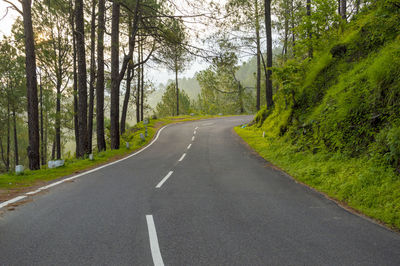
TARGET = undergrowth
(335,124)
(73,165)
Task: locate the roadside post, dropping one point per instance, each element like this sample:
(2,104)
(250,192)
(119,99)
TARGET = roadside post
(145,123)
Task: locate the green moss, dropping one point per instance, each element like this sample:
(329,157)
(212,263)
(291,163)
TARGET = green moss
(335,124)
(360,182)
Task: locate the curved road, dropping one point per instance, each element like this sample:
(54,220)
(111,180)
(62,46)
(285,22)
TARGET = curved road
(197,196)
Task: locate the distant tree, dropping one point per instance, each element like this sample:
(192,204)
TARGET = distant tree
(167,106)
(173,54)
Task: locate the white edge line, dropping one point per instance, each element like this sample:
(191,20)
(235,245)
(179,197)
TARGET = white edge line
(182,157)
(164,179)
(190,145)
(4,204)
(155,248)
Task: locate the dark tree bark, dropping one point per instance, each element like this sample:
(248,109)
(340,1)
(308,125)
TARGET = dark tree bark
(268,81)
(358,2)
(46,138)
(42,156)
(286,28)
(114,112)
(53,150)
(75,83)
(240,96)
(2,152)
(16,156)
(292,27)
(343,9)
(58,117)
(142,87)
(82,87)
(177,87)
(8,137)
(310,48)
(92,75)
(138,91)
(129,76)
(258,81)
(31,86)
(101,142)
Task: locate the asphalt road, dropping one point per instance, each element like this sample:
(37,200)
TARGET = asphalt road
(219,204)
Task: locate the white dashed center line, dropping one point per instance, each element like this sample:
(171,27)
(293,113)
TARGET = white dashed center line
(155,248)
(183,156)
(190,145)
(164,179)
(193,138)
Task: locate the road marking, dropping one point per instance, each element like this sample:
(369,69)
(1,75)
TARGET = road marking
(190,145)
(155,249)
(183,156)
(194,132)
(11,201)
(164,179)
(193,138)
(4,204)
(196,128)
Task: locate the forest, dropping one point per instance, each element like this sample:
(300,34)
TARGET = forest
(322,74)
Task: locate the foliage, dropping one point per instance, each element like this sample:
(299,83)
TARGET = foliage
(335,124)
(167,105)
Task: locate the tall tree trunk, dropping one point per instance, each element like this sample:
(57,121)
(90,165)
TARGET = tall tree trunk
(139,76)
(142,87)
(343,9)
(293,22)
(177,87)
(240,96)
(358,6)
(82,87)
(285,42)
(92,75)
(31,86)
(268,81)
(2,152)
(101,142)
(41,123)
(75,83)
(58,120)
(114,112)
(310,46)
(129,76)
(46,138)
(258,84)
(8,137)
(16,156)
(53,150)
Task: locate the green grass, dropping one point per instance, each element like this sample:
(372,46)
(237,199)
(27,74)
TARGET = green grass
(364,184)
(72,165)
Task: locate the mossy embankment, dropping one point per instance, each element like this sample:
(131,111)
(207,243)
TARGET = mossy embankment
(336,121)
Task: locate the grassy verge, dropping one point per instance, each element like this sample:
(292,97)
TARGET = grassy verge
(362,183)
(12,182)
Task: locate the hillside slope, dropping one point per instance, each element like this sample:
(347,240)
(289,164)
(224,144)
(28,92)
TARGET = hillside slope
(336,120)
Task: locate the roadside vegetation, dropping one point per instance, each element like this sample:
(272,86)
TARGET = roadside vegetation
(335,124)
(29,178)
